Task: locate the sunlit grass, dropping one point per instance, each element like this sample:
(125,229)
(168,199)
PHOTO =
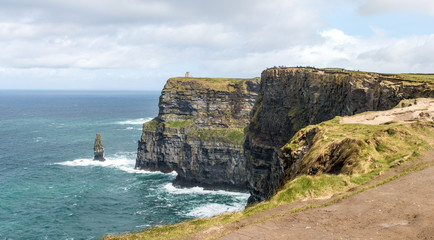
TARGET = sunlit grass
(216,84)
(380,147)
(179,123)
(230,135)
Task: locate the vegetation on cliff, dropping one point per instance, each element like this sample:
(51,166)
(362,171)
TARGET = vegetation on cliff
(199,132)
(152,125)
(226,135)
(405,78)
(320,160)
(217,84)
(290,99)
(361,151)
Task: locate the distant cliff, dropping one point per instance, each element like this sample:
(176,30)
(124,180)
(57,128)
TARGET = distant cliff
(199,132)
(292,98)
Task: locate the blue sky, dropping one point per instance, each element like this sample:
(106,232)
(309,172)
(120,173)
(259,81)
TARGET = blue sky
(139,44)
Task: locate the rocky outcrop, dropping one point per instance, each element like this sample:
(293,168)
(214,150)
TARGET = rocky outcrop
(199,132)
(98,149)
(292,98)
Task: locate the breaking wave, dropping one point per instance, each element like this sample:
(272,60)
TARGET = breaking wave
(137,121)
(199,190)
(212,209)
(121,161)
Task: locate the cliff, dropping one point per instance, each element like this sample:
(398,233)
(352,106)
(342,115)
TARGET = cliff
(363,148)
(290,99)
(199,132)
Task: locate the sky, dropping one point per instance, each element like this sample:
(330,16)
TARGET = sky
(139,44)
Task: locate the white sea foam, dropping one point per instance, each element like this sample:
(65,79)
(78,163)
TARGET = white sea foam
(121,161)
(38,139)
(199,190)
(212,209)
(84,162)
(137,121)
(143,226)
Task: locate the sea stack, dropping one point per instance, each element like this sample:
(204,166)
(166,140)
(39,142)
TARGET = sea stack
(98,149)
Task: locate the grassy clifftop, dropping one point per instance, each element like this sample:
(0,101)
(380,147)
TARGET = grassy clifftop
(218,84)
(417,79)
(404,78)
(361,152)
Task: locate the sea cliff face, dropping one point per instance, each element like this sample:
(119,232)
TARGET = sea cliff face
(292,98)
(199,132)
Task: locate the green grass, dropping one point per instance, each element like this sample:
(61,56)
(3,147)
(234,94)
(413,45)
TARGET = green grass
(305,186)
(214,80)
(428,78)
(366,147)
(228,135)
(179,123)
(217,84)
(377,149)
(405,78)
(152,125)
(293,191)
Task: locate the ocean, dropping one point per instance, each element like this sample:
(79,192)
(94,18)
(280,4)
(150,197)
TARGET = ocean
(50,187)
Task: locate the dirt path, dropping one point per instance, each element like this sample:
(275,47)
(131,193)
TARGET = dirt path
(421,109)
(400,209)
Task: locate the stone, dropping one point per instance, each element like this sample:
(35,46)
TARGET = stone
(199,132)
(98,149)
(290,99)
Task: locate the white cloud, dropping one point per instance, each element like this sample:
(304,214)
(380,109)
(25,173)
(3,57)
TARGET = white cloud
(147,34)
(336,37)
(56,42)
(370,7)
(336,49)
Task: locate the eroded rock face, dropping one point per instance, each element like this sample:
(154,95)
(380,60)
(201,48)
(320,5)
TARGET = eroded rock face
(292,98)
(199,132)
(98,149)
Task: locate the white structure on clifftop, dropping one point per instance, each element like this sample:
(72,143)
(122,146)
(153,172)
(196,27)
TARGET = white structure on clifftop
(187,74)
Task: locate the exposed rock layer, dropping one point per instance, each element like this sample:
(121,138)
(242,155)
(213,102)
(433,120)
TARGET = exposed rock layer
(98,149)
(292,98)
(199,132)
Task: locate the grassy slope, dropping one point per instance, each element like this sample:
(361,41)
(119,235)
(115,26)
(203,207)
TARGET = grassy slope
(405,78)
(381,147)
(217,84)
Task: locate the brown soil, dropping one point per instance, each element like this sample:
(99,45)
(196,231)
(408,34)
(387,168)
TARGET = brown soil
(400,209)
(421,109)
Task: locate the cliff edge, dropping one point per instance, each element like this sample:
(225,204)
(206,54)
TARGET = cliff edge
(199,132)
(330,163)
(290,99)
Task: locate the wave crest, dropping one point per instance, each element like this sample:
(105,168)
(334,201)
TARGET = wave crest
(212,209)
(199,190)
(121,161)
(138,121)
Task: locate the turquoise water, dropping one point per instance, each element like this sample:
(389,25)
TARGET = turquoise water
(50,188)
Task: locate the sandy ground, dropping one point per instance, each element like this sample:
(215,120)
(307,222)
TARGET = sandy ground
(421,109)
(400,209)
